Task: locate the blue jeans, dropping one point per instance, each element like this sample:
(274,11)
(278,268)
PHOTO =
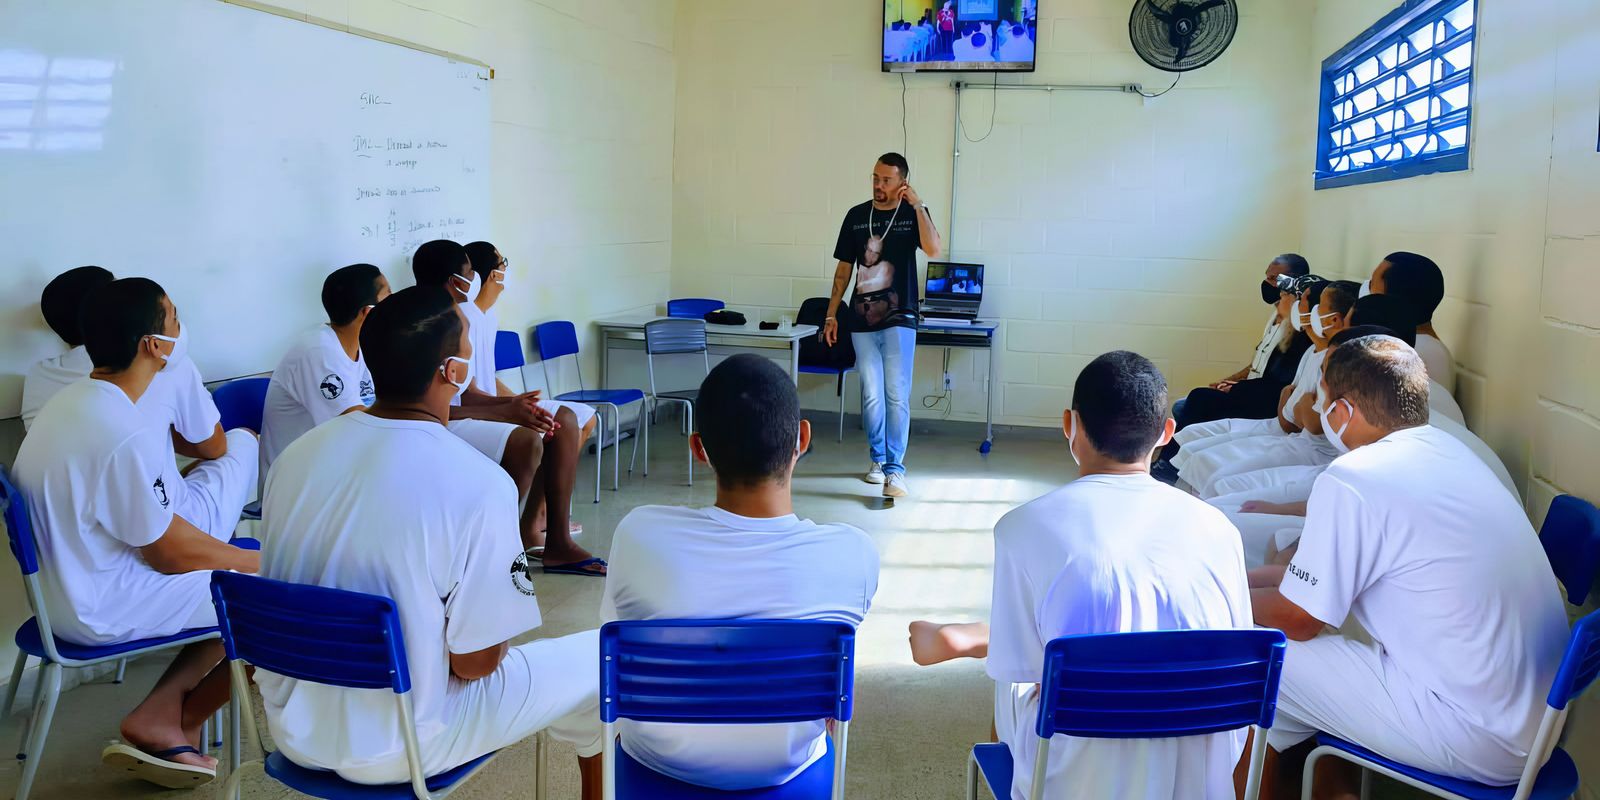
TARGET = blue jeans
(884,359)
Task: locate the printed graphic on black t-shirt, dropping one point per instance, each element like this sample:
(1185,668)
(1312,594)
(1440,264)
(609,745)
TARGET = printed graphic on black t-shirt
(883,247)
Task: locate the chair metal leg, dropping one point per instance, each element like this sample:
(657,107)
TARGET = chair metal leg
(688,415)
(646,429)
(205,736)
(231,789)
(1366,783)
(16,682)
(972,776)
(616,456)
(599,452)
(122,670)
(234,733)
(216,729)
(541,763)
(638,433)
(44,711)
(841,406)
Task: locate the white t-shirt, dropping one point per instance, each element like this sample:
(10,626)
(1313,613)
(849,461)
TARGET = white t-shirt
(1112,554)
(428,522)
(1306,378)
(314,383)
(1436,357)
(177,397)
(482,327)
(706,563)
(1415,538)
(99,479)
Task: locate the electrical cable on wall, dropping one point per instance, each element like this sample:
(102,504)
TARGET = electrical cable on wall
(1164,91)
(994,101)
(905,138)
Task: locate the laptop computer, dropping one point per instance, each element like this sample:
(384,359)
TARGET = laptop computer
(952,292)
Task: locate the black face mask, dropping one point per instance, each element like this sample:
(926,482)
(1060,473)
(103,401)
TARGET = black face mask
(1269,293)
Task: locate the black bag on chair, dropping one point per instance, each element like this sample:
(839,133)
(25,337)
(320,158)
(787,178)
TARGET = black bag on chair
(813,350)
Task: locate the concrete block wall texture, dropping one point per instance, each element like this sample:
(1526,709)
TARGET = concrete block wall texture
(1105,220)
(582,121)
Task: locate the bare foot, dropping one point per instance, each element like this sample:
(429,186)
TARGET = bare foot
(934,643)
(151,735)
(559,557)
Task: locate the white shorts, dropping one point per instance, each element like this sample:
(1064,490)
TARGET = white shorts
(1274,484)
(216,491)
(1196,439)
(583,412)
(1337,685)
(546,684)
(1203,470)
(488,438)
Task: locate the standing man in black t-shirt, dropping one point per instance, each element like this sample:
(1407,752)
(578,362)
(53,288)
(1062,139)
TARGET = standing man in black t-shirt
(881,238)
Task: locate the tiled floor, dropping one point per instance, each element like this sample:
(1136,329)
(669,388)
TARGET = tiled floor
(913,725)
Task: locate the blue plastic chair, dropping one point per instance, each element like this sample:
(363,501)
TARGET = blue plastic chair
(242,403)
(665,337)
(1549,772)
(1148,685)
(726,672)
(36,639)
(1571,539)
(332,637)
(559,339)
(508,354)
(693,307)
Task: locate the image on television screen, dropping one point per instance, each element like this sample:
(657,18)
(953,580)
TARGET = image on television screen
(959,35)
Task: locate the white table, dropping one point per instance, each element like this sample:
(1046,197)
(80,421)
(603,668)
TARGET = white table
(631,328)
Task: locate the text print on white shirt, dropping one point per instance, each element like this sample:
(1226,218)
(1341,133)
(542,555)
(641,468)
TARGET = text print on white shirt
(1302,575)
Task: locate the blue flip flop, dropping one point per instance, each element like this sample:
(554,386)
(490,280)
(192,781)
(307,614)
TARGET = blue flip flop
(577,568)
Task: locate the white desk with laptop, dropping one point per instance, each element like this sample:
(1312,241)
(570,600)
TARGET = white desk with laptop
(952,295)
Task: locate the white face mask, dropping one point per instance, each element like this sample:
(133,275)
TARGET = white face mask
(1366,288)
(1294,316)
(1316,321)
(461,388)
(499,277)
(473,286)
(180,346)
(1335,436)
(1071,435)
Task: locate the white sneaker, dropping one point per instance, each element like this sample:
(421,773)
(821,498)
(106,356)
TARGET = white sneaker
(874,475)
(895,486)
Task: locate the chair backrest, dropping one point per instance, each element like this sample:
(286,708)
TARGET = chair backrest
(508,350)
(242,402)
(19,528)
(727,671)
(1571,538)
(311,633)
(1581,663)
(693,307)
(1160,684)
(668,336)
(556,339)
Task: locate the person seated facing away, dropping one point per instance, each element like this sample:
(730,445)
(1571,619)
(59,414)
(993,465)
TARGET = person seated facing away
(1417,282)
(1114,551)
(428,523)
(211,493)
(746,557)
(1411,537)
(511,431)
(118,563)
(323,375)
(558,472)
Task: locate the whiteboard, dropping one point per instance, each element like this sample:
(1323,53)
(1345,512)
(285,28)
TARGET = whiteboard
(234,156)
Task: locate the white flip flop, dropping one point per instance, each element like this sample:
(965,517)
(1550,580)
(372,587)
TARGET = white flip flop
(155,768)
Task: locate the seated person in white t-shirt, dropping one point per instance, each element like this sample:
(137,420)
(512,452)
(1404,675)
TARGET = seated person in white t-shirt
(217,486)
(323,375)
(1114,551)
(1413,538)
(746,557)
(429,523)
(118,564)
(512,431)
(1417,281)
(551,499)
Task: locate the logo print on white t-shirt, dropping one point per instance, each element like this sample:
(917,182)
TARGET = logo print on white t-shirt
(368,395)
(331,386)
(521,575)
(160,488)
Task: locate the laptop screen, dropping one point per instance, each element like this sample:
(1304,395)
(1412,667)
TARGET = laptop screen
(951,281)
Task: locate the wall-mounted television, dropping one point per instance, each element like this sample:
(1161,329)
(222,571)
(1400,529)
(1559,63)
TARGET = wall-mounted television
(960,35)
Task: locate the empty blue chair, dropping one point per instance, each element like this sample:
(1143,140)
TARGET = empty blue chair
(665,337)
(36,639)
(1549,773)
(508,354)
(242,403)
(693,307)
(1571,539)
(333,637)
(1148,685)
(726,672)
(558,340)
